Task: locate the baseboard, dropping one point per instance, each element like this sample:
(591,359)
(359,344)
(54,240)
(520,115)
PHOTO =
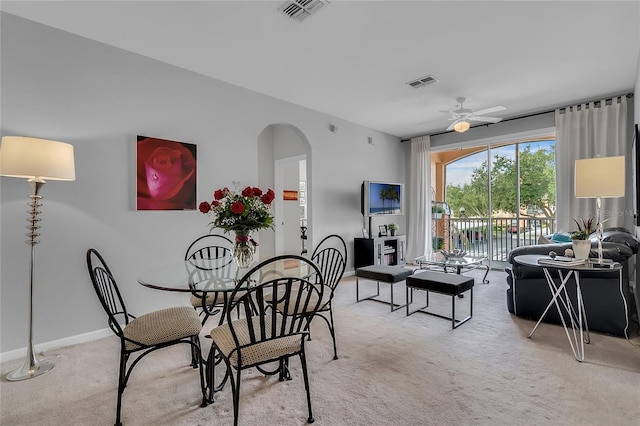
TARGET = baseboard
(55,344)
(72,340)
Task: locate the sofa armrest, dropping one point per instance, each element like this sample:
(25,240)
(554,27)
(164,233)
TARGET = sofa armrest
(509,271)
(540,249)
(610,250)
(621,236)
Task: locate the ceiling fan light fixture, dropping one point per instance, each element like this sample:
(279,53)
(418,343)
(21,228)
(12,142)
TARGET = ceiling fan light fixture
(461,126)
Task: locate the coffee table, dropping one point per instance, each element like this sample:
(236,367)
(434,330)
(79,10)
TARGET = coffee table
(457,264)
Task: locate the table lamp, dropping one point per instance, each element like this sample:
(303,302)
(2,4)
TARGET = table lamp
(600,177)
(37,160)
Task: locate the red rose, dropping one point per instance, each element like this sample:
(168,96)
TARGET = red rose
(218,194)
(204,207)
(268,197)
(215,203)
(237,207)
(247,192)
(257,192)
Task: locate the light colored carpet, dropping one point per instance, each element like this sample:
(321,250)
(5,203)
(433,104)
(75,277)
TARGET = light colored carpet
(393,370)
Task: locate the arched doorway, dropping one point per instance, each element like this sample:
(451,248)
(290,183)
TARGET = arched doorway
(284,163)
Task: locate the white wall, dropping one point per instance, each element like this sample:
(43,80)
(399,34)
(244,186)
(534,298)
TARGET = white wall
(59,86)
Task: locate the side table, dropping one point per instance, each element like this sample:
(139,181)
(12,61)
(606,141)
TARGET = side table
(560,298)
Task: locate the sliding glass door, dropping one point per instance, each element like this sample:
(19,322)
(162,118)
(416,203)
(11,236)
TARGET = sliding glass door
(501,196)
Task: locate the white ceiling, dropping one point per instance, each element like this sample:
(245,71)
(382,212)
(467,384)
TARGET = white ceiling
(353,58)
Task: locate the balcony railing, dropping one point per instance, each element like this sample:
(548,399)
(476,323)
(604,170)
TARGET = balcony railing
(472,234)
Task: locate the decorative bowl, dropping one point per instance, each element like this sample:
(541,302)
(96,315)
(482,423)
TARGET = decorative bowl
(453,254)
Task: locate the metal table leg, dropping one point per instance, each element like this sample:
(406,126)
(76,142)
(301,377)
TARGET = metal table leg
(578,339)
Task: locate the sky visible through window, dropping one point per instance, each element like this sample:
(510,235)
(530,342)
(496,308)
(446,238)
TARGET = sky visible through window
(459,172)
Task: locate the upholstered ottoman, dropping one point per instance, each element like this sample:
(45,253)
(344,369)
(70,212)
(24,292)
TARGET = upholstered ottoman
(381,273)
(440,282)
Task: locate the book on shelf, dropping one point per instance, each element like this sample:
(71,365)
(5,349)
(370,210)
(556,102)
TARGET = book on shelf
(561,261)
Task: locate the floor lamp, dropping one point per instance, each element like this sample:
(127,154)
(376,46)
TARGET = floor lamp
(37,160)
(600,177)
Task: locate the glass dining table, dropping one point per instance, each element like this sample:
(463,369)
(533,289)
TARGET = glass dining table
(202,277)
(220,275)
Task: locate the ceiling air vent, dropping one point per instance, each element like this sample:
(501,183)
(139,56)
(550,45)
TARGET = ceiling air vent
(423,81)
(300,9)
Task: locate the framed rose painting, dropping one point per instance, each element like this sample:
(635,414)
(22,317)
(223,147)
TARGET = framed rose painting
(166,174)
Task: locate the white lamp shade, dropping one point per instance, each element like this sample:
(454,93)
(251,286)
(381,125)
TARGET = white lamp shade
(600,177)
(461,126)
(28,158)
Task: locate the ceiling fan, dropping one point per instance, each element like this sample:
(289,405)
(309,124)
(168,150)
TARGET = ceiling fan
(462,116)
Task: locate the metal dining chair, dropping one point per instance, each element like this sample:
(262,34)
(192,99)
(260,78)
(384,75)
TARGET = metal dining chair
(331,257)
(264,335)
(210,246)
(144,334)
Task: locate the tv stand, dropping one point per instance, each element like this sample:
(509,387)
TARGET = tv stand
(379,251)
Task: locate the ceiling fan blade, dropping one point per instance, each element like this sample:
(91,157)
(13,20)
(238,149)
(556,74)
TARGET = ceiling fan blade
(451,126)
(485,119)
(489,110)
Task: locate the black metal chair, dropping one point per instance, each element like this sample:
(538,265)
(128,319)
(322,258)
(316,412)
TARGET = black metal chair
(331,257)
(264,335)
(211,246)
(146,333)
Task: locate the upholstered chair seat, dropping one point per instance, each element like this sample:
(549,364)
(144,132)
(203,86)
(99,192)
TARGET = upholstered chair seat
(165,325)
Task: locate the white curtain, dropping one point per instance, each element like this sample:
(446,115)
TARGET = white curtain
(588,131)
(419,232)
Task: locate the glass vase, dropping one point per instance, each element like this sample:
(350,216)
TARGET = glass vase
(243,249)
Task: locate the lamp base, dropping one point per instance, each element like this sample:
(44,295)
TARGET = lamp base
(601,261)
(604,263)
(30,368)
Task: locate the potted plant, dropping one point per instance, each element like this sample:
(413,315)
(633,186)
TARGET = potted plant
(580,238)
(437,211)
(392,227)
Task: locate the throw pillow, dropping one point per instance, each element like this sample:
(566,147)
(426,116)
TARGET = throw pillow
(544,240)
(560,237)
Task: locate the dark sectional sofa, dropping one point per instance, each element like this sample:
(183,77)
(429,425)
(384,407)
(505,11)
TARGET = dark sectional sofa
(609,306)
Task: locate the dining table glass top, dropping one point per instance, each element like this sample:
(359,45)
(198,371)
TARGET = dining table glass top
(214,275)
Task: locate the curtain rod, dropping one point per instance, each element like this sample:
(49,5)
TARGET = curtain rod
(628,95)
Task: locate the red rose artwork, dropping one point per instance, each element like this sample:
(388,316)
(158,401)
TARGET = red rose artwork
(166,174)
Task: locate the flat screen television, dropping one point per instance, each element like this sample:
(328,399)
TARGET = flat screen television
(382,198)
